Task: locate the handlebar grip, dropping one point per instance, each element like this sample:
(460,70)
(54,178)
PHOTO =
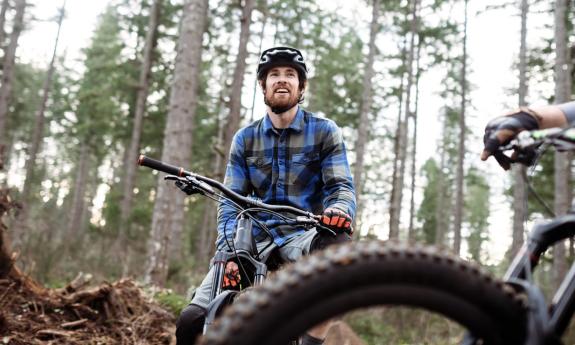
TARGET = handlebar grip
(161,166)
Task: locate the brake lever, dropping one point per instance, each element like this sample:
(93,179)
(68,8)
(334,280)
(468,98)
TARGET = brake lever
(325,228)
(185,184)
(173,178)
(200,184)
(314,220)
(525,147)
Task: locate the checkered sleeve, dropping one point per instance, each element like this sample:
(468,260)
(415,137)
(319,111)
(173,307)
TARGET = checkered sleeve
(237,180)
(338,191)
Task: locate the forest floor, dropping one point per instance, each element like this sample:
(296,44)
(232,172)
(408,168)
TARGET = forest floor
(117,313)
(111,313)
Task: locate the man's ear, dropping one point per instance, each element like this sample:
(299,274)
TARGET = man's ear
(262,86)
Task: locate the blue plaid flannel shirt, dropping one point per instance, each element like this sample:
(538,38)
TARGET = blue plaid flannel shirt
(304,165)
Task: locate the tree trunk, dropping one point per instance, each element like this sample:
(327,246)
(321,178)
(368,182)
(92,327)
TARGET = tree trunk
(78,202)
(366,101)
(398,174)
(226,131)
(6,260)
(262,36)
(3,9)
(206,238)
(132,154)
(8,73)
(38,134)
(168,215)
(562,160)
(411,231)
(441,223)
(399,117)
(234,117)
(520,188)
(460,174)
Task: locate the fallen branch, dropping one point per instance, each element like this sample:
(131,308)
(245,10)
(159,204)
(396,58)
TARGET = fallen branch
(49,333)
(87,296)
(74,324)
(81,280)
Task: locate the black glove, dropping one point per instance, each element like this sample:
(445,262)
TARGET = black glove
(337,220)
(503,129)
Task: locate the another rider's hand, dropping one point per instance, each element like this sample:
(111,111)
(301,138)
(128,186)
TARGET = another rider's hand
(337,220)
(232,275)
(503,129)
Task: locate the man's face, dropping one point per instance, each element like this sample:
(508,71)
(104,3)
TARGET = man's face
(281,91)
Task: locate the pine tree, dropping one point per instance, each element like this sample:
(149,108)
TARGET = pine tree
(458,209)
(134,145)
(563,85)
(519,188)
(97,113)
(168,216)
(8,74)
(402,132)
(366,101)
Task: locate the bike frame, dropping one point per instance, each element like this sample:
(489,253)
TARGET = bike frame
(558,315)
(245,254)
(244,248)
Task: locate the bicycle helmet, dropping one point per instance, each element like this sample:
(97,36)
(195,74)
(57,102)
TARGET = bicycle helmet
(281,56)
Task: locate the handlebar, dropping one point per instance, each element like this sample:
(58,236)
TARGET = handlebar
(199,181)
(527,142)
(161,166)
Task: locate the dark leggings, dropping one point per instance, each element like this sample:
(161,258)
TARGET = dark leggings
(190,324)
(191,321)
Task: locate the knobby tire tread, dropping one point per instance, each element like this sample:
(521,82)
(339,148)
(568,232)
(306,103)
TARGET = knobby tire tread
(363,274)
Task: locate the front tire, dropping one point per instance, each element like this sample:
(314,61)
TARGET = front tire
(364,274)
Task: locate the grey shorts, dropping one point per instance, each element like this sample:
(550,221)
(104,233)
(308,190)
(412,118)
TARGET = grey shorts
(291,251)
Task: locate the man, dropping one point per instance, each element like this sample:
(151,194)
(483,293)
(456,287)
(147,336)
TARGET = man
(501,130)
(289,157)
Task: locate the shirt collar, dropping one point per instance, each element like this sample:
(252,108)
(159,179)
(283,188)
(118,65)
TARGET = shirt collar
(296,125)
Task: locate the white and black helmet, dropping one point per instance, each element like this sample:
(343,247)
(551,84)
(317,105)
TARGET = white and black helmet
(282,56)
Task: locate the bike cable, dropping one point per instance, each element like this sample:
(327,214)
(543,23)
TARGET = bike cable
(527,180)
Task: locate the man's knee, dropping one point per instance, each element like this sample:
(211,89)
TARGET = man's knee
(190,324)
(323,240)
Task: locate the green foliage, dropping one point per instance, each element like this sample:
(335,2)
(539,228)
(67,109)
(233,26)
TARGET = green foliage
(427,212)
(476,210)
(336,86)
(171,301)
(25,97)
(395,325)
(369,328)
(99,109)
(477,194)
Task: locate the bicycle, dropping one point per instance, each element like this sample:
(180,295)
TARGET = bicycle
(253,264)
(511,310)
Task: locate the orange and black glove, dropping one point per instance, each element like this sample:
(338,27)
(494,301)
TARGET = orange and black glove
(232,276)
(336,220)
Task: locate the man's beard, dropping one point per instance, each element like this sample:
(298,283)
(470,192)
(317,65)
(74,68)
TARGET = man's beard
(282,105)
